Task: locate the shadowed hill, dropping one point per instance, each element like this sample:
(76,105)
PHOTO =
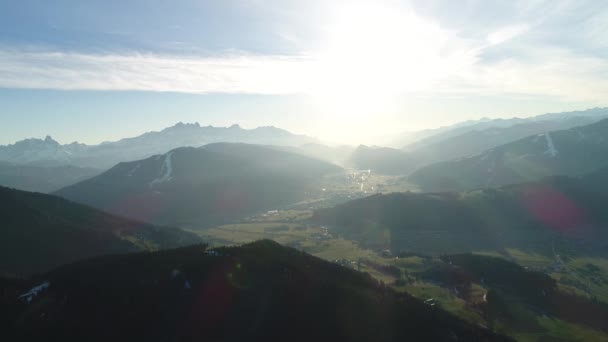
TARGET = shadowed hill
(203,186)
(258,292)
(42,179)
(533,215)
(39,232)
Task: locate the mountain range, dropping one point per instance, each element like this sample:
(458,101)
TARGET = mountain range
(574,152)
(477,141)
(203,186)
(554,121)
(49,152)
(40,232)
(424,147)
(466,139)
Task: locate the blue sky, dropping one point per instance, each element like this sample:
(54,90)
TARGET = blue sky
(340,70)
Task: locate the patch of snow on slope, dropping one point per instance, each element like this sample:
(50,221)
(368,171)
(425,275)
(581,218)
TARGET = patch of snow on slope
(551,150)
(492,174)
(581,135)
(130,173)
(175,273)
(34,291)
(166,171)
(485,155)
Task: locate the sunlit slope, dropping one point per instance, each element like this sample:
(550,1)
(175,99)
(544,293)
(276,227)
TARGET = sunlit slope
(39,232)
(258,292)
(203,186)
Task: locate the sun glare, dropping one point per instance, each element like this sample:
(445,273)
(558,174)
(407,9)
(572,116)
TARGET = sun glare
(373,56)
(375,50)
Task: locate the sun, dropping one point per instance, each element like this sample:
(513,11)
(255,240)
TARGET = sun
(373,57)
(377,50)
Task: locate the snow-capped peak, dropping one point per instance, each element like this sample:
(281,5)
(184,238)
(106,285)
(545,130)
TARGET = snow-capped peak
(29,295)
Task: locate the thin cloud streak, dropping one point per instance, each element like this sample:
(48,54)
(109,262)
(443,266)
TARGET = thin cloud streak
(229,74)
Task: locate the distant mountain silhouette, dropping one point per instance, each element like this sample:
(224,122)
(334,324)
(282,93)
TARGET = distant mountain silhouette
(505,129)
(105,155)
(40,152)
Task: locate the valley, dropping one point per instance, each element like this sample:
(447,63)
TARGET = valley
(522,256)
(303,171)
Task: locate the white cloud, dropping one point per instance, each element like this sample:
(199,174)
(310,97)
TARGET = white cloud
(558,74)
(507,33)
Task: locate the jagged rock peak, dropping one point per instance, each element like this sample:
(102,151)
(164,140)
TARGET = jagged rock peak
(181,125)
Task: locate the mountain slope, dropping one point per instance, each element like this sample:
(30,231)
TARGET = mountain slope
(257,292)
(105,155)
(517,299)
(39,232)
(42,179)
(477,141)
(535,216)
(576,151)
(202,186)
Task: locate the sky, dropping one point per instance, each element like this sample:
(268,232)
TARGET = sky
(343,71)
